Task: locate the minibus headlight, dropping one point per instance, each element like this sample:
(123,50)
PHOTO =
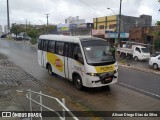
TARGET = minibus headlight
(93,74)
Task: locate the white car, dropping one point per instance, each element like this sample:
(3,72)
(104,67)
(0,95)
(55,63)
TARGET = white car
(155,62)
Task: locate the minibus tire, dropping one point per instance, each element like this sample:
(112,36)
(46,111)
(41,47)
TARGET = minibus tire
(49,70)
(78,82)
(105,87)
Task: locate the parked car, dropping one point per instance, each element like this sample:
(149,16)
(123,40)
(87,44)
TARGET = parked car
(26,38)
(137,52)
(19,37)
(4,36)
(155,54)
(155,62)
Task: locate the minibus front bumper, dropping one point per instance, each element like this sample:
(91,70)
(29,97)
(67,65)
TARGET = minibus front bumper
(102,80)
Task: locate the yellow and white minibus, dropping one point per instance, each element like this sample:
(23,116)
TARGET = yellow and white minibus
(86,61)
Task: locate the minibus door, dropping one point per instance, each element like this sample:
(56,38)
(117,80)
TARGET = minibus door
(67,58)
(42,54)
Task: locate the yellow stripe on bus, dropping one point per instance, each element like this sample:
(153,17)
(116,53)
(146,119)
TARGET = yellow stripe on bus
(55,61)
(102,69)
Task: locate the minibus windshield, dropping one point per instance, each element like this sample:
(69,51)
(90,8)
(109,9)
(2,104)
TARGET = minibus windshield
(97,51)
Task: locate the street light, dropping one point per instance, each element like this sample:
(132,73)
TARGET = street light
(8,20)
(115,15)
(111,10)
(119,19)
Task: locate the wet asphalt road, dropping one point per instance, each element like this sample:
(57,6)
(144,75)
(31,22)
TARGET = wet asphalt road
(129,93)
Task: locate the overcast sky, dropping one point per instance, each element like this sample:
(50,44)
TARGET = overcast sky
(35,10)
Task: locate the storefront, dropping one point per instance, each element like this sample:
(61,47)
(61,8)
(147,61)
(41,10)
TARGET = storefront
(112,37)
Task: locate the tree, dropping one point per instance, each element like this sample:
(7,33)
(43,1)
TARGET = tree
(51,28)
(33,33)
(16,29)
(157,35)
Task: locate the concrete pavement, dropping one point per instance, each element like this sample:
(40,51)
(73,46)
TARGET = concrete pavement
(138,65)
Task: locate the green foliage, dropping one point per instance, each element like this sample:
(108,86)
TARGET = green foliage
(16,29)
(50,28)
(33,33)
(123,62)
(33,41)
(158,23)
(157,44)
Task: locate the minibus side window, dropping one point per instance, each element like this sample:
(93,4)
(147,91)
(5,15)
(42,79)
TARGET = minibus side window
(77,54)
(45,43)
(70,50)
(39,44)
(51,46)
(59,48)
(66,49)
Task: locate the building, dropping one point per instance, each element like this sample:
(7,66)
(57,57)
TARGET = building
(81,29)
(75,27)
(1,30)
(127,22)
(144,35)
(110,23)
(74,20)
(6,31)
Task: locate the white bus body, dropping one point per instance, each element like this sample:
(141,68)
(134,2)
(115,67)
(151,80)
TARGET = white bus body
(73,58)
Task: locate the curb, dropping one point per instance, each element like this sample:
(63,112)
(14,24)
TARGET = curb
(144,70)
(22,42)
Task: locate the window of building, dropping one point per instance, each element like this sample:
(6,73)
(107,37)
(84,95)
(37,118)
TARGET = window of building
(101,27)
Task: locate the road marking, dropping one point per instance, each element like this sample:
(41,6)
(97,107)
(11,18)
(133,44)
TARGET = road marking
(140,90)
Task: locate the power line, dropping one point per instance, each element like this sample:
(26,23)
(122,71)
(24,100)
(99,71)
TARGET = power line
(89,6)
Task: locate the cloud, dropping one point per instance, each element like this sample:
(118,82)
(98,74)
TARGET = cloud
(35,10)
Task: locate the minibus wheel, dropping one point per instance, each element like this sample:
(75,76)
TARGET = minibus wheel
(49,70)
(78,82)
(106,87)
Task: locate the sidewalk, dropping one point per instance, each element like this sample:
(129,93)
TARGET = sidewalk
(139,65)
(14,82)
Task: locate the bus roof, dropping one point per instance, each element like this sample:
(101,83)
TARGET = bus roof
(75,39)
(64,38)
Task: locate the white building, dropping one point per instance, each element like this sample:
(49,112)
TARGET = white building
(1,30)
(74,20)
(6,29)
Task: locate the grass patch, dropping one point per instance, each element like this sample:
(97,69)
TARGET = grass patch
(123,62)
(33,41)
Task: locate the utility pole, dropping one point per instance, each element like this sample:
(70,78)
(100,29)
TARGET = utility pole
(26,26)
(119,25)
(47,15)
(8,20)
